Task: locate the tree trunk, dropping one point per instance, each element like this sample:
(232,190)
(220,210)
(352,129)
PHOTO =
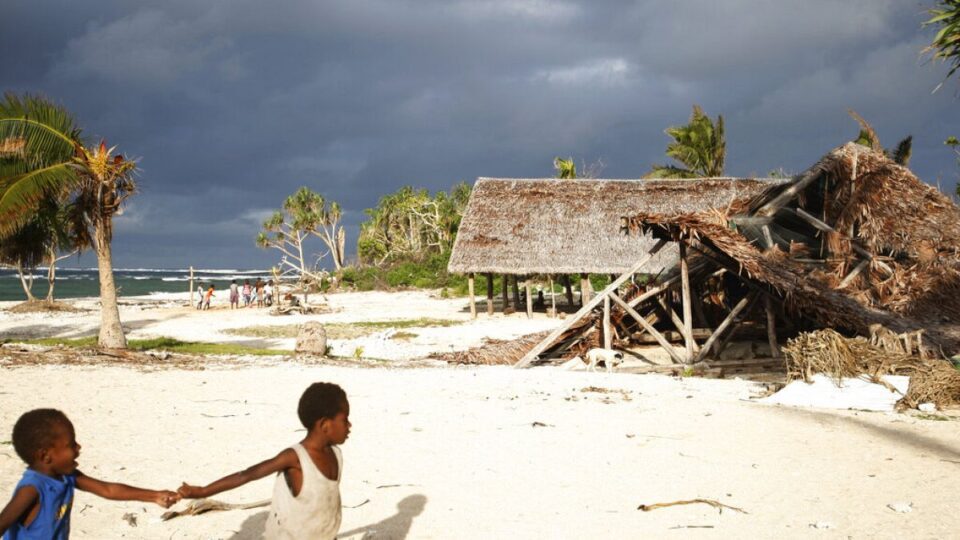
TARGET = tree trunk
(26,282)
(51,274)
(111,332)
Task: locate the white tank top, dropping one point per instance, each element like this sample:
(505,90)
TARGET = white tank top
(315,512)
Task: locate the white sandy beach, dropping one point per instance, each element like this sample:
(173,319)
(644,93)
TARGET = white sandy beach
(480,452)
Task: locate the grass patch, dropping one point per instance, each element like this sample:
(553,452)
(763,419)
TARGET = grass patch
(163,344)
(934,417)
(343,330)
(403,335)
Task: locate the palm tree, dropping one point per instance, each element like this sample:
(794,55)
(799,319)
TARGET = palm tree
(55,161)
(699,146)
(869,138)
(946,43)
(566,168)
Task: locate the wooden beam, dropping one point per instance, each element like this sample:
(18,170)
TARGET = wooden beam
(526,287)
(607,338)
(853,273)
(718,347)
(473,300)
(784,197)
(813,220)
(751,220)
(664,344)
(723,325)
(489,293)
(771,327)
(547,341)
(685,299)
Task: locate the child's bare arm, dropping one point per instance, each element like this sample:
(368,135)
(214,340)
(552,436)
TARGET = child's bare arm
(282,461)
(18,506)
(122,492)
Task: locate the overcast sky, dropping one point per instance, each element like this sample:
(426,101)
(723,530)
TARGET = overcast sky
(233,104)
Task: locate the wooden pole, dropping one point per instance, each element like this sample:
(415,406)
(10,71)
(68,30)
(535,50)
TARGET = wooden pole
(473,300)
(607,341)
(557,332)
(191,286)
(650,330)
(489,293)
(723,326)
(503,293)
(584,289)
(553,298)
(687,308)
(526,287)
(516,292)
(771,327)
(568,289)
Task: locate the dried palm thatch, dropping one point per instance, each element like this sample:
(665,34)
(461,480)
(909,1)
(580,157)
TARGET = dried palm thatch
(826,351)
(495,352)
(550,226)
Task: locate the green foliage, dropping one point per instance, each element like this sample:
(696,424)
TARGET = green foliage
(411,224)
(163,344)
(869,138)
(700,146)
(429,272)
(954,145)
(358,353)
(945,45)
(566,168)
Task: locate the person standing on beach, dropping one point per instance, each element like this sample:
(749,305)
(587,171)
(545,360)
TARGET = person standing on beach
(208,297)
(259,292)
(268,292)
(246,293)
(199,296)
(234,295)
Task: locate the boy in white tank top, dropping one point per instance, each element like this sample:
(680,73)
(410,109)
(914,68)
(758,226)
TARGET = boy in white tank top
(306,495)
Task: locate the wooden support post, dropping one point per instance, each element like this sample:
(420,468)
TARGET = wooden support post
(771,327)
(553,298)
(526,287)
(650,330)
(473,300)
(489,293)
(718,347)
(568,288)
(515,283)
(533,353)
(784,197)
(687,308)
(584,289)
(191,287)
(723,326)
(607,338)
(503,293)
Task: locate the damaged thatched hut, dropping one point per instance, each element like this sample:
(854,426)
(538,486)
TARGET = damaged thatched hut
(548,227)
(855,243)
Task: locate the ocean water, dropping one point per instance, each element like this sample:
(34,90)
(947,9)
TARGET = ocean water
(84,282)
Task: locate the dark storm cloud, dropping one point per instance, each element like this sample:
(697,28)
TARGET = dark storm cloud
(234,104)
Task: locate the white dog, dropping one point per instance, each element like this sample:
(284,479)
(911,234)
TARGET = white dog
(609,357)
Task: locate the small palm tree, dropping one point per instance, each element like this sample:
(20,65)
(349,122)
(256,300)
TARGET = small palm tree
(699,146)
(566,168)
(946,43)
(55,161)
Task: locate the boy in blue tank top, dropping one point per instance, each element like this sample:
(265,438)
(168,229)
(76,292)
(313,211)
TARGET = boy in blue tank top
(41,503)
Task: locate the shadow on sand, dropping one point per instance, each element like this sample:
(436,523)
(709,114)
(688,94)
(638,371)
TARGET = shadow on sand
(394,527)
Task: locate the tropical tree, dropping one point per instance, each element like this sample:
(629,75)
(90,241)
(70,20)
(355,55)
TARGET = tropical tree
(566,168)
(699,146)
(56,162)
(410,223)
(954,145)
(946,43)
(868,137)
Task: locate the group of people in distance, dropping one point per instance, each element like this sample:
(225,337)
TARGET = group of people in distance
(306,492)
(258,294)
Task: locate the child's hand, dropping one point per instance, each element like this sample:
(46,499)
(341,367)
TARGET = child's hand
(166,498)
(187,491)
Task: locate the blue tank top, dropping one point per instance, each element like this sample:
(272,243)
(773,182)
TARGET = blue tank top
(56,500)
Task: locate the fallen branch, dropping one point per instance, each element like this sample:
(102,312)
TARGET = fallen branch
(201,506)
(718,505)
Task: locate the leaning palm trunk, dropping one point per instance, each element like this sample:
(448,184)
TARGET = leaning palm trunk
(111,331)
(26,281)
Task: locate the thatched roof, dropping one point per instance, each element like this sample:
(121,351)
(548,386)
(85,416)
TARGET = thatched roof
(550,226)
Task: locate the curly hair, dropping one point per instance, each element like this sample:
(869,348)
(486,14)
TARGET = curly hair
(320,400)
(35,430)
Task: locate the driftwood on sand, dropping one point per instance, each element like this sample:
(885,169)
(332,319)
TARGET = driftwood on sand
(202,506)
